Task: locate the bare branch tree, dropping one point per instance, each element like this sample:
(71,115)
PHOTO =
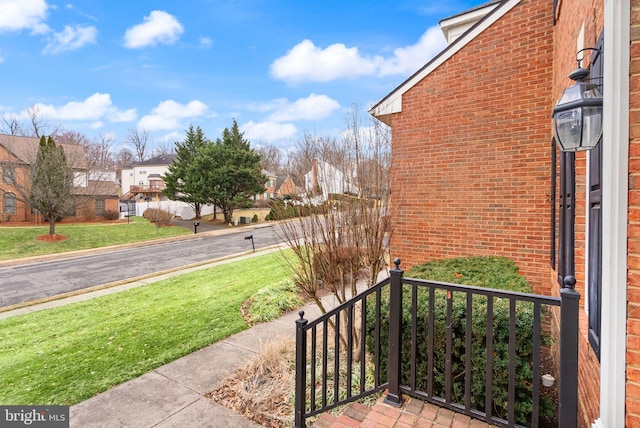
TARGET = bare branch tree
(11,125)
(39,125)
(345,236)
(271,158)
(164,148)
(140,140)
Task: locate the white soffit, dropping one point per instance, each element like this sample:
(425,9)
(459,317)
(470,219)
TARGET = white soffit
(455,26)
(392,103)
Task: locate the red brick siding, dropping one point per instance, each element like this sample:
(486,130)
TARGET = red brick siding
(633,246)
(471,150)
(471,155)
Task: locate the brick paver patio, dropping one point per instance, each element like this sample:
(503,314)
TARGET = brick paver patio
(414,413)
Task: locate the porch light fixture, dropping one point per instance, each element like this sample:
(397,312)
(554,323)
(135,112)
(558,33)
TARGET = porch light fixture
(577,118)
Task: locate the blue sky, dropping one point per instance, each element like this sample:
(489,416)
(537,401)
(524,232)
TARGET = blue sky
(280,68)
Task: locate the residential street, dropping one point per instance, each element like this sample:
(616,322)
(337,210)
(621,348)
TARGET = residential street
(36,280)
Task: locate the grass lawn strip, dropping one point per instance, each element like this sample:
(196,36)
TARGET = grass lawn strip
(18,242)
(65,355)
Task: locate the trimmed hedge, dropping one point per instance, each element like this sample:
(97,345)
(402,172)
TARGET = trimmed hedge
(491,272)
(281,210)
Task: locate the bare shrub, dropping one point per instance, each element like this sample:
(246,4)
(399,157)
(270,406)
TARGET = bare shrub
(88,214)
(263,389)
(158,216)
(111,215)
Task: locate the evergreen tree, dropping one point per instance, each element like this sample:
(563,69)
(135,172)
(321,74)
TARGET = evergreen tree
(184,180)
(232,171)
(51,183)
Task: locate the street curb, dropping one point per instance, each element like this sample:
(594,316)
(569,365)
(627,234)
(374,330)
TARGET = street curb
(99,250)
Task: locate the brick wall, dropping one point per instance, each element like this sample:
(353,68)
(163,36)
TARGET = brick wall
(471,162)
(633,278)
(471,150)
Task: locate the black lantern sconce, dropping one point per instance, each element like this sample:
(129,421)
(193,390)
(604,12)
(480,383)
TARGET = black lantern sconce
(577,118)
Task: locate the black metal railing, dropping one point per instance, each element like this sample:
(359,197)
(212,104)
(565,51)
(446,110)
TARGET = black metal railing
(387,341)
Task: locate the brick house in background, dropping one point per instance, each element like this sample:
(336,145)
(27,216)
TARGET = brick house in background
(285,186)
(269,187)
(476,171)
(94,192)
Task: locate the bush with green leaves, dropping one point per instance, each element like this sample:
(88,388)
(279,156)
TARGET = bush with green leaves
(281,210)
(490,272)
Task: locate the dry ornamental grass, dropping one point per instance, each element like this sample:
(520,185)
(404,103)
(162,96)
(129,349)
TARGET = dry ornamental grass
(263,389)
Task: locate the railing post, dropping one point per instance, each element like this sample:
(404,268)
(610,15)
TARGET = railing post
(301,371)
(394,396)
(568,396)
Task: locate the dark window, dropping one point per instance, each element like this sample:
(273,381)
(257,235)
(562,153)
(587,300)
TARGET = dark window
(9,203)
(554,201)
(594,255)
(100,207)
(8,175)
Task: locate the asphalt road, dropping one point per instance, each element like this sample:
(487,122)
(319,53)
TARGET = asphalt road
(26,282)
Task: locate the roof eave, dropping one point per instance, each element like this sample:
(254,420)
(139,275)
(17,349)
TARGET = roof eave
(392,103)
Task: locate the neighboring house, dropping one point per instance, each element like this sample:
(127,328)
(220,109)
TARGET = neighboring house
(94,191)
(476,171)
(142,187)
(325,179)
(286,187)
(143,180)
(269,185)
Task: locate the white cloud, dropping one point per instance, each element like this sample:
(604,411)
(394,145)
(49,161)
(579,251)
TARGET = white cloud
(267,131)
(16,15)
(311,108)
(95,108)
(96,125)
(307,62)
(158,27)
(123,115)
(172,137)
(71,38)
(168,114)
(410,59)
(205,42)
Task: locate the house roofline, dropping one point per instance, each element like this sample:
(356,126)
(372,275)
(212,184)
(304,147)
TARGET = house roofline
(392,103)
(487,4)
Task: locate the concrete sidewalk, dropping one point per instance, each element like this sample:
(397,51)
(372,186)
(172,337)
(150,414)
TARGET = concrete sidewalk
(173,395)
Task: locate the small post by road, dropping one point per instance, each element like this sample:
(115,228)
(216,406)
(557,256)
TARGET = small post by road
(252,243)
(195,226)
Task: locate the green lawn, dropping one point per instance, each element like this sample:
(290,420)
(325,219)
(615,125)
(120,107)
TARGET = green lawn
(17,242)
(65,355)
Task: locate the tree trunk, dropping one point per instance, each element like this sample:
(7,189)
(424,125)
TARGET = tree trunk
(198,208)
(227,215)
(52,225)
